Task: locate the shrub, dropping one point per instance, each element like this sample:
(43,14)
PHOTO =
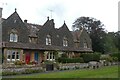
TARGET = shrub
(70,60)
(116,55)
(76,67)
(29,71)
(107,58)
(115,59)
(91,57)
(9,73)
(18,62)
(26,71)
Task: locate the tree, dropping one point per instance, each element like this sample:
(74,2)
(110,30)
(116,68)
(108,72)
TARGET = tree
(89,23)
(110,43)
(117,40)
(95,29)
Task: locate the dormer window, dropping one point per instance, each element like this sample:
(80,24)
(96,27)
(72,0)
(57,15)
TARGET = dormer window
(33,39)
(65,41)
(13,37)
(48,40)
(85,44)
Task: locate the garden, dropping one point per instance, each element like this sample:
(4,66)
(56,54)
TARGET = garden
(85,62)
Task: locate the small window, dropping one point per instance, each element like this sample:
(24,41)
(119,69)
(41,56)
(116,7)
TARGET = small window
(85,45)
(13,55)
(50,56)
(48,40)
(65,41)
(13,37)
(32,39)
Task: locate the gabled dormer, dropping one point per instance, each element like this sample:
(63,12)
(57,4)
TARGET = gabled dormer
(82,39)
(66,37)
(14,22)
(49,23)
(47,35)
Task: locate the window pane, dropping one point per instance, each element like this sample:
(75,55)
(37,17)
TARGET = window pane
(17,55)
(11,37)
(49,41)
(50,55)
(13,55)
(15,37)
(53,56)
(46,41)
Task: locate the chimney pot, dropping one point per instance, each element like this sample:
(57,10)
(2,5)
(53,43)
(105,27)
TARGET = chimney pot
(25,21)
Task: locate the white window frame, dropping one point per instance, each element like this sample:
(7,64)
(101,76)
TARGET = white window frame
(85,45)
(50,54)
(48,40)
(11,52)
(13,37)
(65,42)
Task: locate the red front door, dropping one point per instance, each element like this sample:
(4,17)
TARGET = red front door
(27,59)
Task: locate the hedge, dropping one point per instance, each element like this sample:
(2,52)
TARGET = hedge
(91,57)
(116,55)
(70,60)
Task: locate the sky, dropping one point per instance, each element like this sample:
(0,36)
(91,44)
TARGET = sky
(37,11)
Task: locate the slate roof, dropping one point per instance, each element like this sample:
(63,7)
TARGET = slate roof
(33,29)
(42,47)
(26,30)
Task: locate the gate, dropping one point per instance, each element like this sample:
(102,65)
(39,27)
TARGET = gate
(49,67)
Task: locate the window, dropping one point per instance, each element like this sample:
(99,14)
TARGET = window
(48,40)
(32,39)
(85,45)
(13,55)
(17,56)
(65,41)
(13,37)
(50,56)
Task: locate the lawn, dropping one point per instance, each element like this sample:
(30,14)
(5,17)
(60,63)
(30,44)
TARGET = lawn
(103,72)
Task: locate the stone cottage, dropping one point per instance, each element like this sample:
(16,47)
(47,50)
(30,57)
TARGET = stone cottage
(27,42)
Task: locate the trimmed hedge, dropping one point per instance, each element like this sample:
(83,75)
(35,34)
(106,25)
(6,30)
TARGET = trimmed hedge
(91,57)
(70,60)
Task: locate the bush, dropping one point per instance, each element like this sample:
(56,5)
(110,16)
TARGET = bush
(29,71)
(115,55)
(70,60)
(107,58)
(91,57)
(115,59)
(9,73)
(18,62)
(76,67)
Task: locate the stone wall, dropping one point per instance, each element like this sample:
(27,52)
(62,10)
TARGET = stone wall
(73,65)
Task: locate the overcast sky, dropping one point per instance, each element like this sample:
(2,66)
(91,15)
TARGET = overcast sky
(36,11)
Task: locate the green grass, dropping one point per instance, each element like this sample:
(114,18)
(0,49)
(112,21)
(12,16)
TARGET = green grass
(104,72)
